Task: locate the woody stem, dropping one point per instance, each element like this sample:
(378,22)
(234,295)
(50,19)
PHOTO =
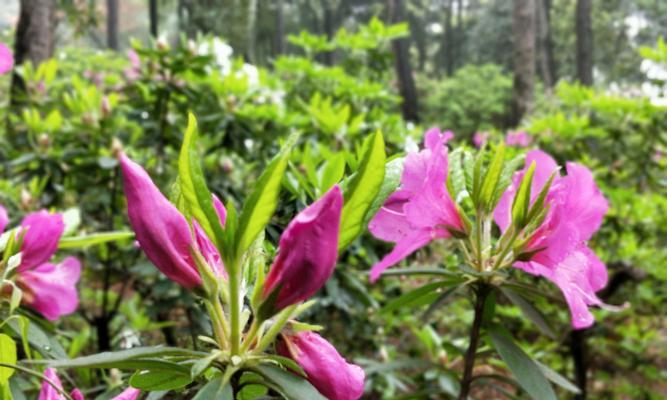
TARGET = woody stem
(481,293)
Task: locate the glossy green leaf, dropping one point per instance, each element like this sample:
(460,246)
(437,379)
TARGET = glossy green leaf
(78,242)
(525,370)
(260,206)
(362,189)
(7,356)
(521,202)
(138,357)
(557,378)
(392,179)
(331,172)
(490,183)
(215,389)
(413,296)
(159,380)
(290,385)
(529,311)
(197,199)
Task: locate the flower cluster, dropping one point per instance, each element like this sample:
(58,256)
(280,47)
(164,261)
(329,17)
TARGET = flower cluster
(308,249)
(555,247)
(52,389)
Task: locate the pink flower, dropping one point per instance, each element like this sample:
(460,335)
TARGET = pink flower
(307,252)
(6,59)
(576,209)
(332,376)
(479,138)
(163,232)
(4,219)
(518,139)
(134,71)
(48,392)
(48,288)
(422,209)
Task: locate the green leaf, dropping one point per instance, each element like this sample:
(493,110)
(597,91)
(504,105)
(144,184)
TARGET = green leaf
(76,242)
(521,201)
(529,311)
(392,179)
(557,378)
(362,189)
(7,356)
(159,380)
(260,206)
(197,199)
(215,389)
(137,357)
(525,370)
(414,296)
(331,172)
(492,178)
(290,385)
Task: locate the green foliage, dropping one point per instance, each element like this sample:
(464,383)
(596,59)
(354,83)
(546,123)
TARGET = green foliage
(475,98)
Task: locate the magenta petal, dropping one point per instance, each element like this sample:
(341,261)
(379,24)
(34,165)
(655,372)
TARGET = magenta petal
(51,288)
(332,376)
(76,395)
(6,59)
(208,250)
(4,219)
(408,245)
(47,391)
(162,231)
(128,394)
(390,223)
(584,205)
(40,242)
(307,251)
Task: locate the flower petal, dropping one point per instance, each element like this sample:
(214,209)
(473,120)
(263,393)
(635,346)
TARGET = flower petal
(410,243)
(332,376)
(42,234)
(308,251)
(162,231)
(51,288)
(128,394)
(47,391)
(4,218)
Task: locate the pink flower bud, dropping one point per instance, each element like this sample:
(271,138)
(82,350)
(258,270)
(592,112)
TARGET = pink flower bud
(326,370)
(163,232)
(307,252)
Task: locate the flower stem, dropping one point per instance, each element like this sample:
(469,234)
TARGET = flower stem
(481,293)
(275,329)
(235,310)
(250,337)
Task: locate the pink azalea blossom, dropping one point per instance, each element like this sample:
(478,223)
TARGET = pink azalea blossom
(422,209)
(576,209)
(332,376)
(518,139)
(48,288)
(307,253)
(480,138)
(163,232)
(6,59)
(48,392)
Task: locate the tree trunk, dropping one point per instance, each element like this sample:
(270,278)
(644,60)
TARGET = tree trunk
(448,40)
(328,29)
(34,40)
(418,34)
(279,38)
(584,42)
(406,82)
(112,25)
(153,17)
(544,43)
(523,33)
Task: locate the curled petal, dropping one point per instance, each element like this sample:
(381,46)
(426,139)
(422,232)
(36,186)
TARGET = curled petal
(332,376)
(390,223)
(584,204)
(162,231)
(40,241)
(578,276)
(307,253)
(50,289)
(412,242)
